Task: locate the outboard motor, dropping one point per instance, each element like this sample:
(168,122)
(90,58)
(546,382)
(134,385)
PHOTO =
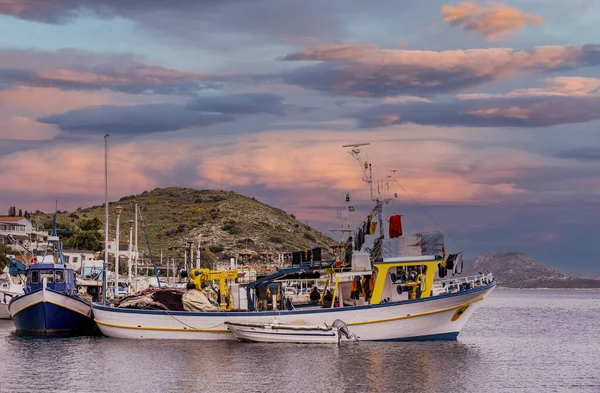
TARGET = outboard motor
(343,328)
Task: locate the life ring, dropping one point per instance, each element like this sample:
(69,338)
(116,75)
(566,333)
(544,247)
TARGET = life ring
(32,261)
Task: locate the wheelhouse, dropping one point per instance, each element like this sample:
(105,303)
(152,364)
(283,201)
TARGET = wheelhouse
(57,277)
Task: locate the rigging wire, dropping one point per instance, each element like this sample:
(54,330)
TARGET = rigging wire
(429,215)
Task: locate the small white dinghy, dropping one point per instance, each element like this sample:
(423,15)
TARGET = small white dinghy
(276,332)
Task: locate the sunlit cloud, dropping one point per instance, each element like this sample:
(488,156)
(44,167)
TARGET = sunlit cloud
(366,71)
(563,100)
(494,21)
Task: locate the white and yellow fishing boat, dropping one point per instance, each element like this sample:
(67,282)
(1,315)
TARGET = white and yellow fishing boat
(391,314)
(387,287)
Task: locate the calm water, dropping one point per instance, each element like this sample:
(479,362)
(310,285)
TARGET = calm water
(518,341)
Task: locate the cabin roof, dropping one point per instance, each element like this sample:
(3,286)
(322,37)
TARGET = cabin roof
(43,266)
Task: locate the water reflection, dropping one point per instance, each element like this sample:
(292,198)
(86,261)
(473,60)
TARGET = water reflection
(517,341)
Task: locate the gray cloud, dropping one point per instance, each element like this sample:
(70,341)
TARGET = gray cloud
(581,154)
(134,77)
(365,71)
(134,119)
(537,111)
(246,103)
(193,19)
(61,11)
(151,118)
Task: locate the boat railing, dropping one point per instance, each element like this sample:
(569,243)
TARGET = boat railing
(455,284)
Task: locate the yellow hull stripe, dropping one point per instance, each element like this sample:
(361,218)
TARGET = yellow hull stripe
(68,308)
(192,329)
(25,308)
(414,315)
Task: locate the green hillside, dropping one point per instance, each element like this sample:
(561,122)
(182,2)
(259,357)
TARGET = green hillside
(226,222)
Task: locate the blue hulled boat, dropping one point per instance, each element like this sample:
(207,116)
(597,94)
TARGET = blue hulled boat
(50,303)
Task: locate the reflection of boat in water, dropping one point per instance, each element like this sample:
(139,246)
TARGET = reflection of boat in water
(275,332)
(385,288)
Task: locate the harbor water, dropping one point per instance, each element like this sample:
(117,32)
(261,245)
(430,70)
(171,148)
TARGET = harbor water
(517,341)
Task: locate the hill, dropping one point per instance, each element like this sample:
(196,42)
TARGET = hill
(226,222)
(517,270)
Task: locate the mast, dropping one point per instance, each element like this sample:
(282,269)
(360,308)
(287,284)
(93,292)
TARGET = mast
(105,218)
(135,256)
(382,185)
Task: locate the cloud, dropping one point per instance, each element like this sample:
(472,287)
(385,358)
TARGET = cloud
(562,86)
(20,128)
(164,117)
(33,102)
(133,119)
(61,11)
(494,21)
(81,71)
(194,20)
(564,100)
(365,71)
(245,103)
(581,154)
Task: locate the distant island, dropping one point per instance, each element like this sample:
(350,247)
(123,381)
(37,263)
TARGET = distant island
(517,270)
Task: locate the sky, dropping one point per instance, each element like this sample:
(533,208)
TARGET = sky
(486,111)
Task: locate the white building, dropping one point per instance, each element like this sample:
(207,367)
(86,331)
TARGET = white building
(123,249)
(22,230)
(18,227)
(77,257)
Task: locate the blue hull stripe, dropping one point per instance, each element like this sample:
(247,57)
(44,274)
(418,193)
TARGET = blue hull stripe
(430,337)
(99,306)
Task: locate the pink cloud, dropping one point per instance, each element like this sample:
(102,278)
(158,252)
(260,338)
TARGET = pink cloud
(22,128)
(494,21)
(364,70)
(41,101)
(291,163)
(80,70)
(562,86)
(304,171)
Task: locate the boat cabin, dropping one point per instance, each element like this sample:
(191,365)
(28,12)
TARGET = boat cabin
(58,278)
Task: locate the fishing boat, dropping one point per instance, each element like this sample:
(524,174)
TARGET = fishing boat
(50,303)
(387,286)
(276,332)
(11,286)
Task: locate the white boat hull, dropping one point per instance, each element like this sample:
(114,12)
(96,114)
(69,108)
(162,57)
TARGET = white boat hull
(5,298)
(435,318)
(4,313)
(272,335)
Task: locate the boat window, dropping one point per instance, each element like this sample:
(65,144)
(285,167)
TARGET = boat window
(35,277)
(49,274)
(59,276)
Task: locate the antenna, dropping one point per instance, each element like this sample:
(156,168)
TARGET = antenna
(383,186)
(366,167)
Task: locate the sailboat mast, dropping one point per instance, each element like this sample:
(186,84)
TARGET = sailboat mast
(105,218)
(135,256)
